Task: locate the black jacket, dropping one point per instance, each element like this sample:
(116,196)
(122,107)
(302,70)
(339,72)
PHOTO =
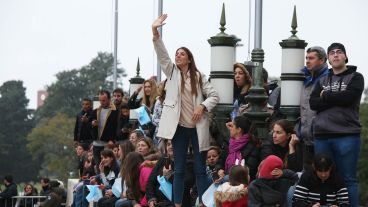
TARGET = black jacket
(109,129)
(135,102)
(152,187)
(7,194)
(252,155)
(293,161)
(269,192)
(82,131)
(338,107)
(123,129)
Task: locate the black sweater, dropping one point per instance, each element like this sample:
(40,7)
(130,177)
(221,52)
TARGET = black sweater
(338,107)
(311,190)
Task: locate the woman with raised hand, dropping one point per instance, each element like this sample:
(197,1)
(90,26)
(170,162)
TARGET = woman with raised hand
(149,97)
(189,95)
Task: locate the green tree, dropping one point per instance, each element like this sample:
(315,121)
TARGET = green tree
(51,143)
(72,86)
(363,161)
(15,123)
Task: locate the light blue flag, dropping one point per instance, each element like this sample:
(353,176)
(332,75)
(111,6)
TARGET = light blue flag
(116,188)
(208,196)
(165,187)
(143,116)
(94,193)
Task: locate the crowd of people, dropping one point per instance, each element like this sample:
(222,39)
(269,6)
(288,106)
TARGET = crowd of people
(174,161)
(309,163)
(52,194)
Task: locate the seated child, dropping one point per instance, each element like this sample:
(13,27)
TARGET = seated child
(322,186)
(270,188)
(235,192)
(213,155)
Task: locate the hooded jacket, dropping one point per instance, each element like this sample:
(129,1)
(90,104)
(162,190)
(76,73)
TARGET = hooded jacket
(268,190)
(231,196)
(338,107)
(306,113)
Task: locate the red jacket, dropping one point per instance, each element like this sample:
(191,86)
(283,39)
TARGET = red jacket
(231,196)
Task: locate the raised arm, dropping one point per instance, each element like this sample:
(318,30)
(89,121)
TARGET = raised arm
(167,65)
(156,24)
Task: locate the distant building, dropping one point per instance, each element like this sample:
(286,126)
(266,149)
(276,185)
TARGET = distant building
(41,97)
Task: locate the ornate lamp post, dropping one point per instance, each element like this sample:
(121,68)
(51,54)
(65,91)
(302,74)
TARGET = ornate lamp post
(135,82)
(293,56)
(222,75)
(257,94)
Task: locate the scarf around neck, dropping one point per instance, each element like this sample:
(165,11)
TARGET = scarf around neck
(235,146)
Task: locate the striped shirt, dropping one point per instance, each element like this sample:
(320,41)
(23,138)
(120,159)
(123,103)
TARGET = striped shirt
(311,190)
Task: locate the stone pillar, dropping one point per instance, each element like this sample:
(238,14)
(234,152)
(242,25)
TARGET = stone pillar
(222,76)
(293,56)
(135,82)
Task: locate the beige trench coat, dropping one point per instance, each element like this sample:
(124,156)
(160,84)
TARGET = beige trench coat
(172,104)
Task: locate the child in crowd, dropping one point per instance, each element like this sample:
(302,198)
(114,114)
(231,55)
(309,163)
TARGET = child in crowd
(124,125)
(213,155)
(235,192)
(322,186)
(269,189)
(81,151)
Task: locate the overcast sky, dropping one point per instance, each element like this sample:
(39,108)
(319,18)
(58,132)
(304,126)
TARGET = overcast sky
(39,38)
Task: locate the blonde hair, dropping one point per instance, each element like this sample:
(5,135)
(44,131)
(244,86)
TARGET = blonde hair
(152,97)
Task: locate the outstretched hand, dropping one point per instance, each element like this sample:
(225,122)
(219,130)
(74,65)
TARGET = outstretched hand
(159,21)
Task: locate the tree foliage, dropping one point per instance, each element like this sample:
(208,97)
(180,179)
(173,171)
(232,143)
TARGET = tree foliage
(51,143)
(15,123)
(363,161)
(72,86)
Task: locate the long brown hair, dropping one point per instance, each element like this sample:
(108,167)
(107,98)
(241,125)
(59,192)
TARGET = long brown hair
(248,79)
(154,93)
(126,147)
(288,127)
(109,153)
(193,70)
(131,174)
(162,91)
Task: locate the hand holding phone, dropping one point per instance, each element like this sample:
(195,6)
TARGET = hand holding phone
(167,162)
(215,175)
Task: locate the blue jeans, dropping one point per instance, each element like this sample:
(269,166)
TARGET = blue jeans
(180,144)
(345,152)
(80,196)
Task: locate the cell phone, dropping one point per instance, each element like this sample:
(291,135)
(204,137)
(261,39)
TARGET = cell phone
(167,162)
(215,175)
